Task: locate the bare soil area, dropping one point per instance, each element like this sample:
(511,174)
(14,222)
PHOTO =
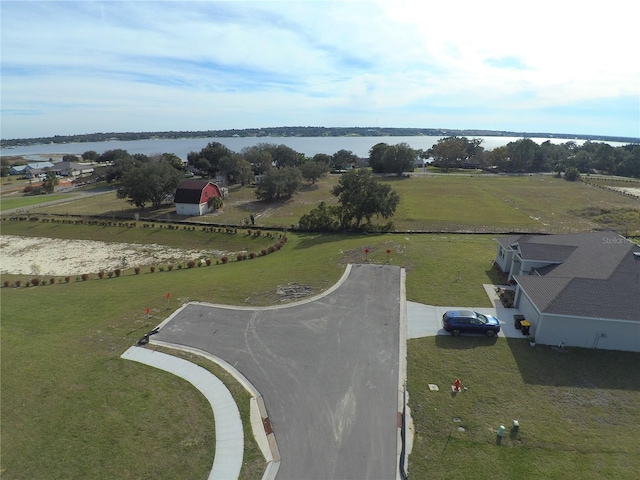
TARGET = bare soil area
(49,256)
(628,190)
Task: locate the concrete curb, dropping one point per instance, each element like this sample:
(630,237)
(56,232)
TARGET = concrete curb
(260,424)
(331,289)
(402,449)
(227,461)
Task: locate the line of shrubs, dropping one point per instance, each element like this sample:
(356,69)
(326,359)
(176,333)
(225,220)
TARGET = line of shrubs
(37,281)
(113,223)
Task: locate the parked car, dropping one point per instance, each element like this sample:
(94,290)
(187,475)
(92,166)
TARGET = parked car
(468,321)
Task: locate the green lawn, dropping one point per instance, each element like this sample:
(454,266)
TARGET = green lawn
(9,203)
(476,203)
(73,409)
(577,411)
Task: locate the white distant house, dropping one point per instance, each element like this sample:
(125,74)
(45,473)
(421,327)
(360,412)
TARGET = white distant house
(71,169)
(580,289)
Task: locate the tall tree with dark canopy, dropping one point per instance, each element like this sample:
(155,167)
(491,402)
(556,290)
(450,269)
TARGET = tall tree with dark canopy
(312,171)
(398,159)
(361,197)
(279,184)
(376,155)
(343,159)
(150,182)
(450,152)
(208,159)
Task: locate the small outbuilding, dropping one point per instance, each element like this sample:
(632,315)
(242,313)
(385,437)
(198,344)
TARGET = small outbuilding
(193,197)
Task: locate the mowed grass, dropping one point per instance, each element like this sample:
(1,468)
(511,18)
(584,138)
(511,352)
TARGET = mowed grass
(474,203)
(577,410)
(117,419)
(10,203)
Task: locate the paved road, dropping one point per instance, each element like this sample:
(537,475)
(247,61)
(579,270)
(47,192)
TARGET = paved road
(328,370)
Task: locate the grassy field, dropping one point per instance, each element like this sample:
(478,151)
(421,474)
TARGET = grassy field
(476,203)
(577,410)
(22,202)
(62,377)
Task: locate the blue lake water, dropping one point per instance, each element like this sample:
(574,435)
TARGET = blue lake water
(307,145)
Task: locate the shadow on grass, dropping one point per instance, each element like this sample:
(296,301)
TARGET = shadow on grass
(308,240)
(576,367)
(465,342)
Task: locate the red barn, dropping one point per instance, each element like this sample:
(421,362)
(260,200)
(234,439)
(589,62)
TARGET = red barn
(192,197)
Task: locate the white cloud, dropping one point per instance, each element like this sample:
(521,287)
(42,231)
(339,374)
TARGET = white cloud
(231,64)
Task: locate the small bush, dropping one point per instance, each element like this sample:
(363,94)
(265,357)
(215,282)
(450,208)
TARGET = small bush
(117,271)
(35,282)
(208,262)
(85,277)
(52,281)
(136,270)
(258,233)
(161,269)
(101,274)
(17,283)
(224,259)
(43,282)
(170,267)
(7,283)
(249,232)
(179,266)
(271,249)
(152,269)
(191,264)
(67,279)
(263,252)
(252,255)
(110,274)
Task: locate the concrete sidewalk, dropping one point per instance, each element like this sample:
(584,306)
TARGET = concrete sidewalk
(229,434)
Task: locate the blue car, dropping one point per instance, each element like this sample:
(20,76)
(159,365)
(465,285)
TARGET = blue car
(468,321)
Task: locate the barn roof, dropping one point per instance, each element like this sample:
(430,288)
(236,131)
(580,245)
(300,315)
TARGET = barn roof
(190,191)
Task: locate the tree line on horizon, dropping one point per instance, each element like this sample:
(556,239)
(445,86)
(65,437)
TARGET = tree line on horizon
(298,131)
(526,156)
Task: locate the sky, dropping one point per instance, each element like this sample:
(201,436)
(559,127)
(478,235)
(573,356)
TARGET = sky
(115,66)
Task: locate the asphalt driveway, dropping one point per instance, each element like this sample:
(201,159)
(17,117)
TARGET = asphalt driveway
(328,370)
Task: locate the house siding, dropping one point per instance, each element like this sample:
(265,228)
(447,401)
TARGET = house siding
(504,257)
(587,333)
(523,303)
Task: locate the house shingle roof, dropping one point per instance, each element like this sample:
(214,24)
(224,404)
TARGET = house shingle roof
(591,274)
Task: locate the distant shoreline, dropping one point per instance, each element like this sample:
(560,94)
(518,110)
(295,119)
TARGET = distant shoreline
(283,132)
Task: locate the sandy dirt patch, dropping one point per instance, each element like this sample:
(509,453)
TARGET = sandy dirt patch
(50,256)
(630,190)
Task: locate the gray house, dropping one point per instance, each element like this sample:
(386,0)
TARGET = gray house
(581,289)
(71,169)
